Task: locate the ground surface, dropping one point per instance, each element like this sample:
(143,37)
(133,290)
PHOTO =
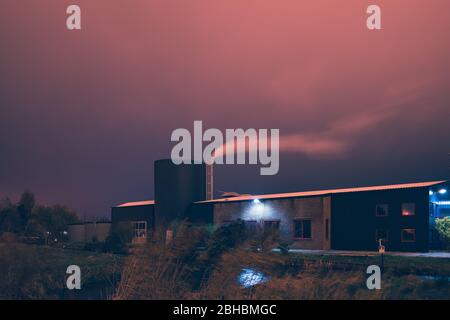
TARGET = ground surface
(431,254)
(39,272)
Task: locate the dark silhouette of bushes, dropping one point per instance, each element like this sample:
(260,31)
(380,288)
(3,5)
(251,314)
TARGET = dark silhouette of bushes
(115,244)
(28,219)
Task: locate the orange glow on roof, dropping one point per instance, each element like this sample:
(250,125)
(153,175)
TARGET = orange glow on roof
(137,203)
(326,192)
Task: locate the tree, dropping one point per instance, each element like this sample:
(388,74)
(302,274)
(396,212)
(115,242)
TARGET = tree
(54,219)
(115,244)
(225,238)
(123,230)
(9,217)
(30,219)
(25,207)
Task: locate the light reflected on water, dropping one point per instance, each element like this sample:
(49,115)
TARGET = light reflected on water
(250,277)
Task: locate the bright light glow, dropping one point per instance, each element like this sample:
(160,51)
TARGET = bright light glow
(431,193)
(443,191)
(257,209)
(250,277)
(443,203)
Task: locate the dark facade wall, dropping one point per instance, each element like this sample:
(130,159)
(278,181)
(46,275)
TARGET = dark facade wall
(286,211)
(134,213)
(89,231)
(77,232)
(176,188)
(202,213)
(354,221)
(326,223)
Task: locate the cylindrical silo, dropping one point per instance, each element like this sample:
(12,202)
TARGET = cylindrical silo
(177,187)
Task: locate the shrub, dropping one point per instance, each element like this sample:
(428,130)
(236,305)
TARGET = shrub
(115,244)
(226,237)
(93,246)
(443,229)
(124,230)
(19,273)
(8,237)
(284,247)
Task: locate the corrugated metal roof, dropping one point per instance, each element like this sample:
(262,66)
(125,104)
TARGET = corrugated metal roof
(137,203)
(325,192)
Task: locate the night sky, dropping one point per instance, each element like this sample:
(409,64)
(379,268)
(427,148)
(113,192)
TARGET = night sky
(83,114)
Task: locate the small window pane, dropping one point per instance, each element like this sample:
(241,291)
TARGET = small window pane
(382,210)
(306,229)
(408,209)
(140,229)
(302,229)
(408,235)
(298,229)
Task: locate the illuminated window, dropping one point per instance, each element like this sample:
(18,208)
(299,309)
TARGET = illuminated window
(302,229)
(140,229)
(381,210)
(408,235)
(381,234)
(408,209)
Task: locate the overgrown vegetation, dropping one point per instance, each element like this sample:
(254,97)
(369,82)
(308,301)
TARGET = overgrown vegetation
(179,270)
(208,263)
(39,272)
(28,219)
(443,229)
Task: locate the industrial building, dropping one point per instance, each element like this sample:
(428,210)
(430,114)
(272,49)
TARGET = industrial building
(177,188)
(88,231)
(340,219)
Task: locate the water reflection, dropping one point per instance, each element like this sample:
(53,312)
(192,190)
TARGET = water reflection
(250,277)
(434,278)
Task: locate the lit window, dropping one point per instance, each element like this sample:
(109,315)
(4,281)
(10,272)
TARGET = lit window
(381,234)
(408,209)
(381,210)
(140,229)
(408,235)
(302,229)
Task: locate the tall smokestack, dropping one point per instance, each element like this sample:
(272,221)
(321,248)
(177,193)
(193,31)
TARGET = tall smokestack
(209,182)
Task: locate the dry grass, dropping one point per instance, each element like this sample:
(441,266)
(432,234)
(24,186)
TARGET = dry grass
(160,271)
(39,272)
(179,271)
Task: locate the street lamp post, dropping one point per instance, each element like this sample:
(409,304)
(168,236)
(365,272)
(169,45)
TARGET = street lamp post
(381,250)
